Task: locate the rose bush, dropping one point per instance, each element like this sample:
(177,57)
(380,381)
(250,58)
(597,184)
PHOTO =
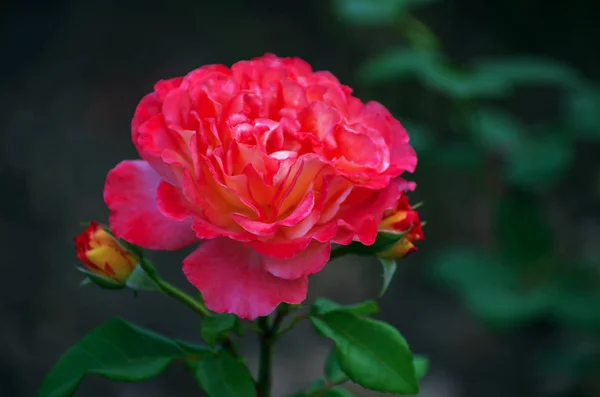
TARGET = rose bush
(267,161)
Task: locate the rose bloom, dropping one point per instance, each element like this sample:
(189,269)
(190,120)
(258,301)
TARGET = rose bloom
(402,219)
(267,161)
(103,255)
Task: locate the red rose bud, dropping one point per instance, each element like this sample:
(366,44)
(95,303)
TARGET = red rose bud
(103,255)
(402,219)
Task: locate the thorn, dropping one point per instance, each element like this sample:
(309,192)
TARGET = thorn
(85,282)
(414,207)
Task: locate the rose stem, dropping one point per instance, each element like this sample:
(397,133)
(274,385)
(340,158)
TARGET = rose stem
(172,291)
(267,337)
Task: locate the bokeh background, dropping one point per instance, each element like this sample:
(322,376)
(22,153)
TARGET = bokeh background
(502,102)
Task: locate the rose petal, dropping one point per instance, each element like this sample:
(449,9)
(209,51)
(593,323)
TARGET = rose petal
(255,227)
(302,212)
(404,158)
(130,192)
(149,134)
(163,87)
(362,212)
(232,279)
(206,230)
(172,203)
(361,148)
(281,247)
(308,261)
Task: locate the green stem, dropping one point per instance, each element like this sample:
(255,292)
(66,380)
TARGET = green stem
(172,291)
(266,358)
(268,336)
(325,388)
(293,323)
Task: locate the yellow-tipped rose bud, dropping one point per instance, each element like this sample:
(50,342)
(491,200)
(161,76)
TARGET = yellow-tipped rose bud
(401,219)
(103,255)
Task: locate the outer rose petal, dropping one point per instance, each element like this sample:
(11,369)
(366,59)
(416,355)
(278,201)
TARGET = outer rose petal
(148,108)
(281,248)
(308,261)
(359,220)
(232,279)
(130,193)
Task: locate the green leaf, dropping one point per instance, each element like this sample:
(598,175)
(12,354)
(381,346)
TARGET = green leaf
(116,349)
(333,371)
(149,268)
(491,78)
(490,289)
(194,351)
(137,250)
(98,280)
(522,229)
(583,112)
(324,306)
(579,308)
(538,163)
(135,371)
(397,64)
(503,307)
(221,375)
(85,282)
(465,269)
(383,242)
(576,361)
(576,298)
(138,280)
(194,348)
(432,70)
(368,12)
(459,83)
(315,386)
(461,156)
(337,392)
(389,269)
(365,12)
(300,394)
(523,70)
(421,364)
(496,130)
(372,353)
(216,327)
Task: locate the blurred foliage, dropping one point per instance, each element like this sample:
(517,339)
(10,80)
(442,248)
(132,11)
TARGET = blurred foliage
(521,274)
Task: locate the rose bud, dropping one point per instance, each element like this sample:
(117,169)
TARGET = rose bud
(103,255)
(401,219)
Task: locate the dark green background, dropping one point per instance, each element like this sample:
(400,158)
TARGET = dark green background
(504,295)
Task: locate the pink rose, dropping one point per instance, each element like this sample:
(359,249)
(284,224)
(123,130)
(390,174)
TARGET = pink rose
(267,161)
